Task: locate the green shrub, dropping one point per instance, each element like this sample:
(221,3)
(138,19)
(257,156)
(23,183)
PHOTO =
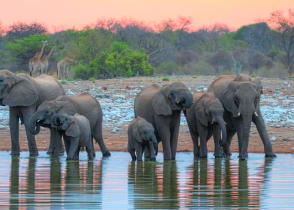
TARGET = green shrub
(121,61)
(63,82)
(253,75)
(92,79)
(165,79)
(83,71)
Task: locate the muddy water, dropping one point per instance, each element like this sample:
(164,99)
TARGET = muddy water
(118,183)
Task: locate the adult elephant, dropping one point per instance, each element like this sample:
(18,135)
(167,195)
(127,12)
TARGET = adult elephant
(162,108)
(23,95)
(240,96)
(83,104)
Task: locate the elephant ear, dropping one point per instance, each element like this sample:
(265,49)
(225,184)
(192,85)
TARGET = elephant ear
(228,100)
(22,93)
(201,114)
(160,105)
(73,130)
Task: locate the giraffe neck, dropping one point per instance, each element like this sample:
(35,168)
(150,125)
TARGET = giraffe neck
(39,54)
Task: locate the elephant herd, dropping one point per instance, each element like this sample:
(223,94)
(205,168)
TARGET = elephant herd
(229,107)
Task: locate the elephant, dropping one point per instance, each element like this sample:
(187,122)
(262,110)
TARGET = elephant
(24,94)
(162,106)
(240,96)
(140,137)
(204,119)
(83,104)
(76,132)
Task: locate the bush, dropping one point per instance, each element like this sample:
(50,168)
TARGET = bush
(165,79)
(121,61)
(92,79)
(63,82)
(83,71)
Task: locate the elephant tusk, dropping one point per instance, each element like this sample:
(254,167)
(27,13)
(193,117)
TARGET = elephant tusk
(238,114)
(255,113)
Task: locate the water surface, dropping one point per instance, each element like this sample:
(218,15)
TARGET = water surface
(118,183)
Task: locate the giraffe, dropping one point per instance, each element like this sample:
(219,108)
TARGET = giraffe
(63,70)
(34,62)
(45,61)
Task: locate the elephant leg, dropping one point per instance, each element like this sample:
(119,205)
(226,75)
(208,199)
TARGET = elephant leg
(90,149)
(51,146)
(174,140)
(27,113)
(56,139)
(132,153)
(259,122)
(97,133)
(91,141)
(66,144)
(218,152)
(164,135)
(195,144)
(203,141)
(14,131)
(139,152)
(74,146)
(230,134)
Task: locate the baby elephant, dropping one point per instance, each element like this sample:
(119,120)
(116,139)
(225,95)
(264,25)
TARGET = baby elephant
(76,133)
(141,136)
(205,118)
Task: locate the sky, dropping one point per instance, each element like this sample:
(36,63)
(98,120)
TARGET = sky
(59,14)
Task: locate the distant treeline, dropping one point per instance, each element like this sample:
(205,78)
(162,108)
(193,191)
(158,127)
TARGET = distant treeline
(117,49)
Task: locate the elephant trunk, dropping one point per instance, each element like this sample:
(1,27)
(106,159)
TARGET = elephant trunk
(221,123)
(34,127)
(155,144)
(246,125)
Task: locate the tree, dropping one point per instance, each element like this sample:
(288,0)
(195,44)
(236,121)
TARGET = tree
(255,61)
(285,26)
(117,61)
(21,30)
(220,61)
(22,50)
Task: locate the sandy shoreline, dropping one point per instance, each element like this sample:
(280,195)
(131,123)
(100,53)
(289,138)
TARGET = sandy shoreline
(118,141)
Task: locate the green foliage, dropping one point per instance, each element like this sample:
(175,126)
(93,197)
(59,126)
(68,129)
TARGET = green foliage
(83,71)
(253,75)
(63,82)
(26,48)
(92,79)
(165,79)
(119,60)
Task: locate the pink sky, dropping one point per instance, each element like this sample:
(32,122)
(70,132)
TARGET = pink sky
(68,13)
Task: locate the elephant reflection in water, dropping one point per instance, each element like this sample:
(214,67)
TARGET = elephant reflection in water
(82,178)
(15,182)
(225,184)
(154,186)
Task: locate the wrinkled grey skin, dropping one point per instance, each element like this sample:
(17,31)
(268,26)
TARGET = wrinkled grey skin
(83,104)
(76,134)
(205,118)
(240,97)
(162,108)
(23,94)
(140,137)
